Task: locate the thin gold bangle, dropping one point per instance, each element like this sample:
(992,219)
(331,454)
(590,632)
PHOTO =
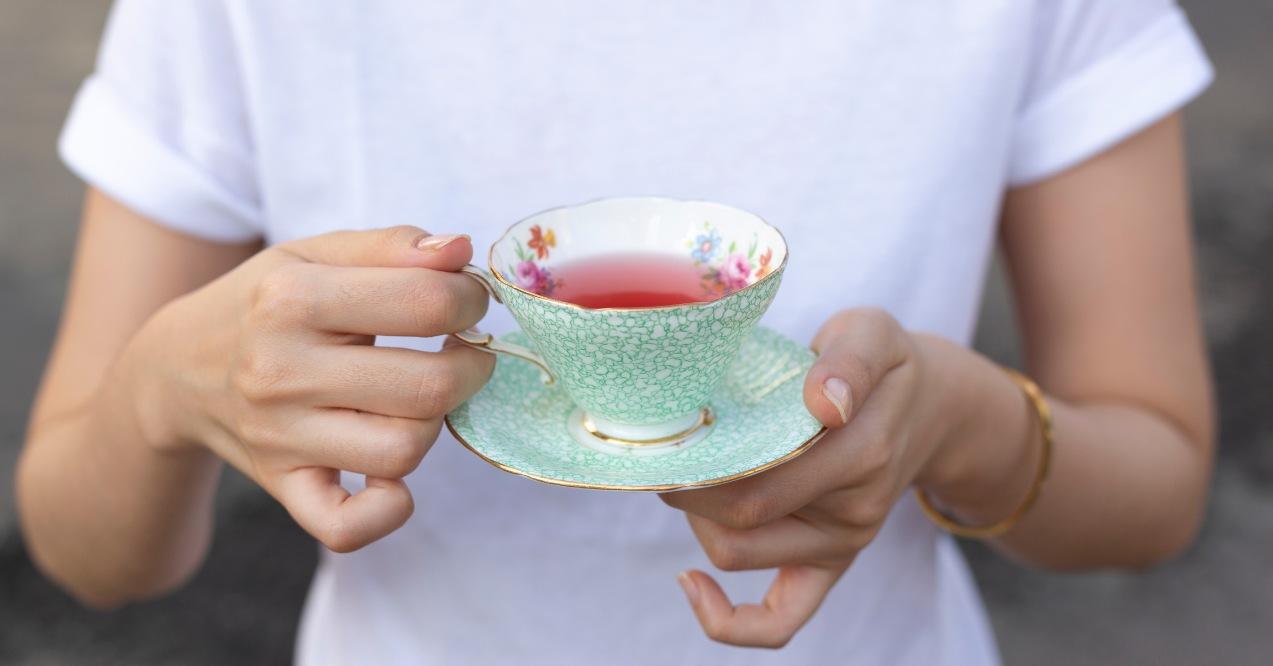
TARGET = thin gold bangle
(1036,402)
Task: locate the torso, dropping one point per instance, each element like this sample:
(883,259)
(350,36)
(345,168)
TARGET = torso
(883,171)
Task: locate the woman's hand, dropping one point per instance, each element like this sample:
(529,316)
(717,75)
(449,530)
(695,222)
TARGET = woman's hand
(272,368)
(810,517)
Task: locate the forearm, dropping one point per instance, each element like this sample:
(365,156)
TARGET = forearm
(1126,488)
(104,513)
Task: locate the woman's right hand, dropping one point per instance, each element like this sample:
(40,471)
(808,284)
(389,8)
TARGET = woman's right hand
(272,369)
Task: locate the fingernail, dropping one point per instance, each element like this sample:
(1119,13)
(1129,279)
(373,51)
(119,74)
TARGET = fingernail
(837,392)
(687,584)
(435,243)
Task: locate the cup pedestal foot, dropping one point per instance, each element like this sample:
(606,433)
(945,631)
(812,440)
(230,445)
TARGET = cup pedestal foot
(616,438)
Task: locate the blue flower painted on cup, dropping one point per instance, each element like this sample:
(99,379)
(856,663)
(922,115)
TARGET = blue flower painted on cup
(726,270)
(706,246)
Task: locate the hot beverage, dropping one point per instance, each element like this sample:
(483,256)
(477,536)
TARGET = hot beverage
(631,280)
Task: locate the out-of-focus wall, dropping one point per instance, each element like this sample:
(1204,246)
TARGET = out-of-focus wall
(1215,605)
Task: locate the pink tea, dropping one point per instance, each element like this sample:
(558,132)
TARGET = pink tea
(630,280)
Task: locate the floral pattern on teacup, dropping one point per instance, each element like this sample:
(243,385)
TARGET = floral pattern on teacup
(706,246)
(727,269)
(529,275)
(540,241)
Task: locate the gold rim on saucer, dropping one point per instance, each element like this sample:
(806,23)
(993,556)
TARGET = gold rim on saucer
(795,453)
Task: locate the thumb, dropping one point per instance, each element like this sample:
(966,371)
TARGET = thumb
(392,247)
(856,349)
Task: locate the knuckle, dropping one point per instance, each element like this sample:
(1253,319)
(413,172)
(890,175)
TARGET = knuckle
(749,511)
(874,456)
(716,629)
(434,393)
(450,304)
(260,433)
(434,305)
(776,641)
(283,293)
(387,241)
(856,540)
(842,318)
(401,235)
(867,512)
(855,368)
(407,507)
(725,554)
(403,451)
(875,315)
(259,375)
(876,318)
(403,231)
(868,315)
(338,536)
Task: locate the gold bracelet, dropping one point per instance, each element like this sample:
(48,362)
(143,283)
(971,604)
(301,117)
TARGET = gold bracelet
(1036,402)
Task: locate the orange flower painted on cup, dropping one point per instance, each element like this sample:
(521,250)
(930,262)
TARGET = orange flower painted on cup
(765,268)
(540,241)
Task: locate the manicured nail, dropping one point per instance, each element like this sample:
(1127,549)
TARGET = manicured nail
(837,392)
(435,243)
(687,584)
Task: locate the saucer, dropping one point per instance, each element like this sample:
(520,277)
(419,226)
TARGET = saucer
(522,426)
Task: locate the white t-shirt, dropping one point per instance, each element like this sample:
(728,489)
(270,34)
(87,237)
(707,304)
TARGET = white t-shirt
(879,136)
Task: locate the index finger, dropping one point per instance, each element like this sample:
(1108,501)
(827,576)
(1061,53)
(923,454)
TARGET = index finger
(756,500)
(341,521)
(392,246)
(382,301)
(793,598)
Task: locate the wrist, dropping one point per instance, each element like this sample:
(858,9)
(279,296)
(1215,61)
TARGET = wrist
(146,384)
(984,461)
(945,402)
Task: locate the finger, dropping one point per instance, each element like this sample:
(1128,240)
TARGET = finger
(401,246)
(756,500)
(391,381)
(792,599)
(856,348)
(788,540)
(343,522)
(861,510)
(372,301)
(379,446)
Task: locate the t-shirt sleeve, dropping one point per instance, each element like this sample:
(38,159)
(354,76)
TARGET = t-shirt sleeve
(1100,71)
(161,125)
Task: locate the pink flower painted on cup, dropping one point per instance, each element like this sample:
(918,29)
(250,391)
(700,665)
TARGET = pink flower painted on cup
(727,270)
(735,271)
(534,278)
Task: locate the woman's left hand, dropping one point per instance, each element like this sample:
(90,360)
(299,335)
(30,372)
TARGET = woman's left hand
(810,517)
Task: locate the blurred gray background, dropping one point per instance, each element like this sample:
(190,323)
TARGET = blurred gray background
(1212,606)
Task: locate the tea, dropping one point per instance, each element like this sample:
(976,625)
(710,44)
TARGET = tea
(630,280)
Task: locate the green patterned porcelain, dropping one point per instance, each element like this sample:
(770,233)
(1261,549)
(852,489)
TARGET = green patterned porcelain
(639,366)
(520,425)
(639,374)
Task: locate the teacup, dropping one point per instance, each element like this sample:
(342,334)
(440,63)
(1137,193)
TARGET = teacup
(642,377)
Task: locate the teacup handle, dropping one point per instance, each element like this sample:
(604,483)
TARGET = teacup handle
(487,342)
